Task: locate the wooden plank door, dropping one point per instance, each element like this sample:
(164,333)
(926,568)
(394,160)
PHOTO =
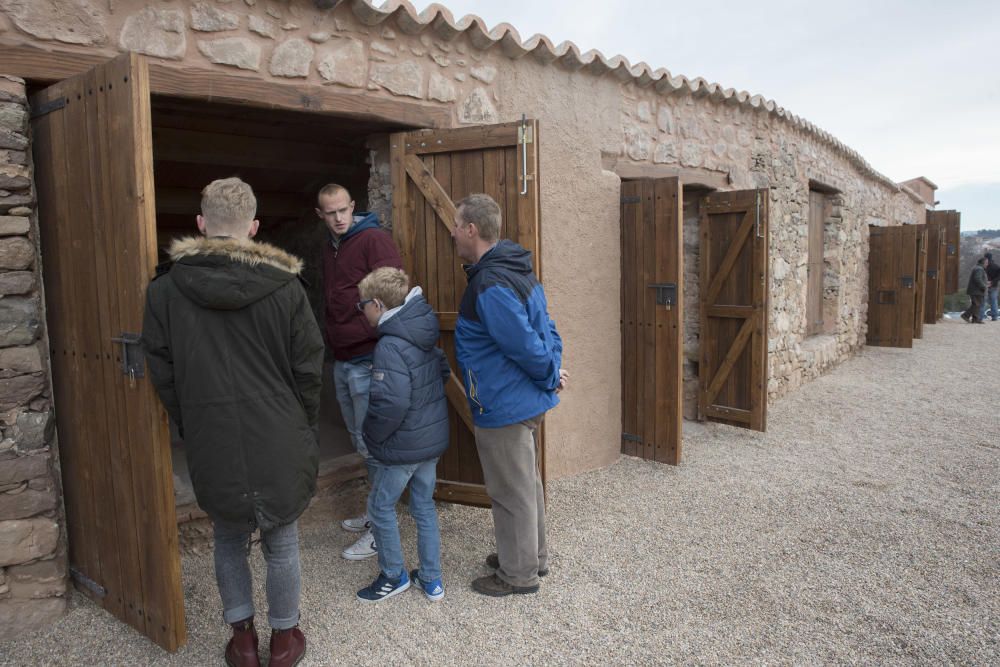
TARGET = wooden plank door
(892,261)
(652,270)
(94,173)
(732,372)
(921,279)
(431,170)
(952,221)
(936,268)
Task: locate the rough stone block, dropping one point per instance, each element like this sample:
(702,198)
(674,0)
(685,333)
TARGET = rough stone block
(236,51)
(32,430)
(23,468)
(441,89)
(206,18)
(319,37)
(477,108)
(70,21)
(345,63)
(19,321)
(292,58)
(484,73)
(404,79)
(20,361)
(12,90)
(264,27)
(16,282)
(155,32)
(24,540)
(14,224)
(23,503)
(19,390)
(12,140)
(10,200)
(14,157)
(14,177)
(18,617)
(41,579)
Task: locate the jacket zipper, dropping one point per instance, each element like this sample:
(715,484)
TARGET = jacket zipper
(473,392)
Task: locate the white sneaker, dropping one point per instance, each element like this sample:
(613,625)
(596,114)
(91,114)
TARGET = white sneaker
(362,549)
(356,525)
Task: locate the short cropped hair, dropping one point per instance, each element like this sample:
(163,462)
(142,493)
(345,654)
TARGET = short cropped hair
(228,202)
(481,211)
(387,284)
(330,189)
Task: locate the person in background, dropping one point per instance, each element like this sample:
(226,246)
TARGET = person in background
(976,290)
(992,289)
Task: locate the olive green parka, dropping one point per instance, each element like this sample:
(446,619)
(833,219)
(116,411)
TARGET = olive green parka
(236,356)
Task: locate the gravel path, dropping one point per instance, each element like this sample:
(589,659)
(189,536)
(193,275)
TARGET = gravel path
(862,528)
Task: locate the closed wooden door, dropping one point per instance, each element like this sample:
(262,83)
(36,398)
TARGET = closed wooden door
(94,173)
(652,315)
(732,371)
(431,170)
(892,263)
(920,299)
(936,268)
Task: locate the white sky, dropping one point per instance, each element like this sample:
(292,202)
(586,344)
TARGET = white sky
(912,86)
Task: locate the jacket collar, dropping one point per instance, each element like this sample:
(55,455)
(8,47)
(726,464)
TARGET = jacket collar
(244,251)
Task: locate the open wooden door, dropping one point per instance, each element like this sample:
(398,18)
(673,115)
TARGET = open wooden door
(734,273)
(892,261)
(936,268)
(652,315)
(952,221)
(920,298)
(431,170)
(94,174)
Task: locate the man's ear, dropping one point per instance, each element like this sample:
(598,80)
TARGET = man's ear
(201,224)
(254,226)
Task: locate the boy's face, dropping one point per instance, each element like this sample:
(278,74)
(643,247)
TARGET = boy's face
(373,310)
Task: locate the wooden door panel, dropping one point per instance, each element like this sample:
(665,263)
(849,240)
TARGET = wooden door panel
(936,267)
(652,348)
(921,282)
(94,167)
(892,262)
(733,338)
(952,232)
(432,169)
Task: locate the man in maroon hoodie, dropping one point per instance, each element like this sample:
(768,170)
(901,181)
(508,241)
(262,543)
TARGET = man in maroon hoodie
(357,246)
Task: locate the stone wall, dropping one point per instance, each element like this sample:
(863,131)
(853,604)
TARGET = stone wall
(32,543)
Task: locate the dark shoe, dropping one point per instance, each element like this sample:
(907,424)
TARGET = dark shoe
(241,651)
(494,586)
(493,562)
(966,316)
(287,647)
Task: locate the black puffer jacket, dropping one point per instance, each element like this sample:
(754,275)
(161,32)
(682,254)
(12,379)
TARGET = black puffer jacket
(236,356)
(407,420)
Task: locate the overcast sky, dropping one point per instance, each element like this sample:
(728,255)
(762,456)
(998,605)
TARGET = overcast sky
(912,86)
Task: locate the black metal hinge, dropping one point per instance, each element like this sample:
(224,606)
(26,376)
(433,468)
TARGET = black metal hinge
(631,199)
(88,583)
(50,106)
(631,438)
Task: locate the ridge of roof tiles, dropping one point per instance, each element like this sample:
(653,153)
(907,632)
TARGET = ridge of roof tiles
(438,20)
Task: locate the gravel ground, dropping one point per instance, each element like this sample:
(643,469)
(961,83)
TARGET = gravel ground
(862,528)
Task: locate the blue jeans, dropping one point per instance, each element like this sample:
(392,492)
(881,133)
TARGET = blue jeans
(232,572)
(387,486)
(353,382)
(991,297)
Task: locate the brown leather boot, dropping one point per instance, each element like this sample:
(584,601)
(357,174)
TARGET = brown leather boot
(287,647)
(241,651)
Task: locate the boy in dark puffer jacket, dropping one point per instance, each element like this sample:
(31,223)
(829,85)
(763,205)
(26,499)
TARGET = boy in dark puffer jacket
(405,430)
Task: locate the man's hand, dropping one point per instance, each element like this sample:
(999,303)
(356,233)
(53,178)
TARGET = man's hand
(563,379)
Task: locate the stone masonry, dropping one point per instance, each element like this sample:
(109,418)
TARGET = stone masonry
(33,565)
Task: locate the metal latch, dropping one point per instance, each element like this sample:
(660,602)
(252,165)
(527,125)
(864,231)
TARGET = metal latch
(906,281)
(886,297)
(133,362)
(666,294)
(631,199)
(631,438)
(932,273)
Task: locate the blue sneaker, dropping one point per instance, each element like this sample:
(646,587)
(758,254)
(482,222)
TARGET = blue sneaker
(434,590)
(383,587)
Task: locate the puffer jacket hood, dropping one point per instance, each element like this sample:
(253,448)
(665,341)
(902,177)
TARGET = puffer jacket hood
(504,256)
(362,221)
(413,321)
(224,273)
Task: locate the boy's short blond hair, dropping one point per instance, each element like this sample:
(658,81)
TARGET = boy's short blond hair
(389,285)
(228,203)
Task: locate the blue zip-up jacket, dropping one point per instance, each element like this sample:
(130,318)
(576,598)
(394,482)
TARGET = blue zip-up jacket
(407,420)
(508,348)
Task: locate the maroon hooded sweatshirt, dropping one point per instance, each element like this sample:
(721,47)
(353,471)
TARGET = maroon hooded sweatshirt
(362,249)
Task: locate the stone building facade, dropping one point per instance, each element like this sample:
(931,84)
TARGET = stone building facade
(601,120)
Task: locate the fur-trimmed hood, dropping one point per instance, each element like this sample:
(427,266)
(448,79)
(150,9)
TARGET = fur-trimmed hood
(222,273)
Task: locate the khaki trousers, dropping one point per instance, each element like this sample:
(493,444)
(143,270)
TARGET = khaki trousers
(509,456)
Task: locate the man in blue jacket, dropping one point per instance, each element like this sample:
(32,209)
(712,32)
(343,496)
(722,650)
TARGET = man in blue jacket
(510,357)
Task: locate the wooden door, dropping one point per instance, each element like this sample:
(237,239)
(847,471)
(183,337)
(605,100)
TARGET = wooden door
(652,270)
(94,173)
(919,296)
(818,208)
(936,268)
(732,372)
(892,261)
(952,221)
(431,170)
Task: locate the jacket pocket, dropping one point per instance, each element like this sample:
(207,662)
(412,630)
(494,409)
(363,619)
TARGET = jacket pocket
(474,391)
